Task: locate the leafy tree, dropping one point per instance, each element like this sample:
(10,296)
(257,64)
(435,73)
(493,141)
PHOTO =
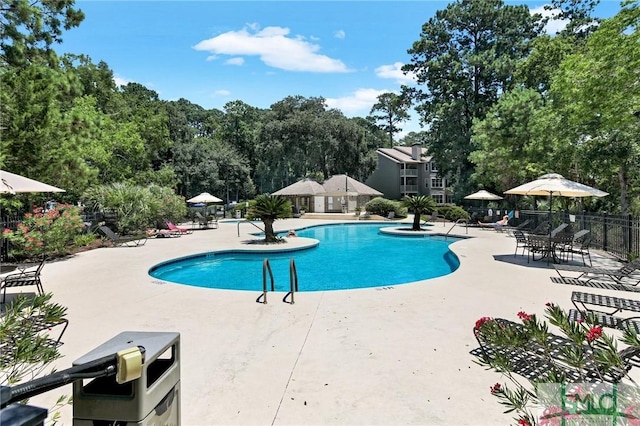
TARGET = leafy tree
(596,92)
(391,110)
(507,149)
(578,14)
(465,58)
(269,208)
(418,205)
(28,28)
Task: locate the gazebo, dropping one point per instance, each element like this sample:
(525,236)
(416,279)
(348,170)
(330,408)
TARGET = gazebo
(338,194)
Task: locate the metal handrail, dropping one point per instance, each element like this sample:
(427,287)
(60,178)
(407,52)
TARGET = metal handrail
(457,222)
(248,221)
(266,267)
(293,281)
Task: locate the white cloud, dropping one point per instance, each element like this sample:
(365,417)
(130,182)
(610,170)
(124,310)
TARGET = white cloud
(275,47)
(222,92)
(235,61)
(554,26)
(340,34)
(120,81)
(359,103)
(395,72)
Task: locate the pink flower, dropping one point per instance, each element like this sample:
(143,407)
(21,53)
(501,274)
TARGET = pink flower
(481,321)
(594,333)
(549,304)
(523,422)
(6,231)
(579,320)
(495,388)
(524,316)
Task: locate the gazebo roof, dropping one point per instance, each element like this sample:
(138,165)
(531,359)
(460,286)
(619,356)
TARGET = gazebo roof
(302,187)
(335,185)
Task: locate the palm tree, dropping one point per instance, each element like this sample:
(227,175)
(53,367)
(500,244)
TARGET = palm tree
(419,204)
(268,208)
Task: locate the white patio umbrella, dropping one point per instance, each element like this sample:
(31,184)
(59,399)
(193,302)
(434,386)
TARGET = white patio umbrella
(554,184)
(11,183)
(205,197)
(483,195)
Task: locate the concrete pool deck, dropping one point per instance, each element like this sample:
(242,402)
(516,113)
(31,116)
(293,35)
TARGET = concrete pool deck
(388,355)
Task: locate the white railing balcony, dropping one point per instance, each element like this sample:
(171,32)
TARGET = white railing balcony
(408,189)
(409,172)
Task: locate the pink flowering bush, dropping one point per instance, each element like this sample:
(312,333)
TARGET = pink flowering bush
(579,352)
(50,233)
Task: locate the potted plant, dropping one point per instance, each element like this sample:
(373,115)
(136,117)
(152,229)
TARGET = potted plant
(303,209)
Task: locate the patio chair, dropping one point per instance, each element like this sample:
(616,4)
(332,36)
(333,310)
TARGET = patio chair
(521,242)
(618,275)
(583,250)
(26,277)
(391,215)
(178,229)
(119,241)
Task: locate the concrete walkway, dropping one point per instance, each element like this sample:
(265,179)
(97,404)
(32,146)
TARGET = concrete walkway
(385,356)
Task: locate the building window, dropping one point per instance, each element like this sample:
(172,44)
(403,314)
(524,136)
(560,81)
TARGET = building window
(434,168)
(436,182)
(438,198)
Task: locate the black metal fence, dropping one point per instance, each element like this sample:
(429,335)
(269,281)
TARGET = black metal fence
(618,235)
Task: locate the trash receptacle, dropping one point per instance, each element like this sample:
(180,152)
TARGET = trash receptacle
(152,399)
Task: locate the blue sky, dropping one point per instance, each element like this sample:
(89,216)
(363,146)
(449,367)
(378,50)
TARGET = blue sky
(214,52)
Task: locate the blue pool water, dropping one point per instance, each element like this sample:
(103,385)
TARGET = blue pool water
(348,256)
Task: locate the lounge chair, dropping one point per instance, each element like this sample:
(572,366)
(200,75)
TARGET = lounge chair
(583,303)
(536,360)
(25,277)
(556,231)
(617,275)
(595,284)
(520,227)
(541,229)
(391,215)
(126,241)
(178,229)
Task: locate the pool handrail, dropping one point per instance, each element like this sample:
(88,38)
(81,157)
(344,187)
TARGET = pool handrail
(266,267)
(248,221)
(293,282)
(456,223)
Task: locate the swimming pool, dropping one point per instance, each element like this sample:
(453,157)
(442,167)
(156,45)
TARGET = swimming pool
(348,256)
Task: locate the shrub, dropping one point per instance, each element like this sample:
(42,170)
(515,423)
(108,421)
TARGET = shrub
(50,233)
(380,206)
(137,207)
(453,213)
(582,353)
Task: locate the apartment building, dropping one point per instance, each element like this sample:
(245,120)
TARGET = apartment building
(408,170)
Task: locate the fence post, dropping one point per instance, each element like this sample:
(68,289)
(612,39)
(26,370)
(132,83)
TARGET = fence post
(629,237)
(604,231)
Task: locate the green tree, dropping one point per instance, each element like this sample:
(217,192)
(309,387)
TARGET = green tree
(507,149)
(418,205)
(269,208)
(596,92)
(28,28)
(390,111)
(465,58)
